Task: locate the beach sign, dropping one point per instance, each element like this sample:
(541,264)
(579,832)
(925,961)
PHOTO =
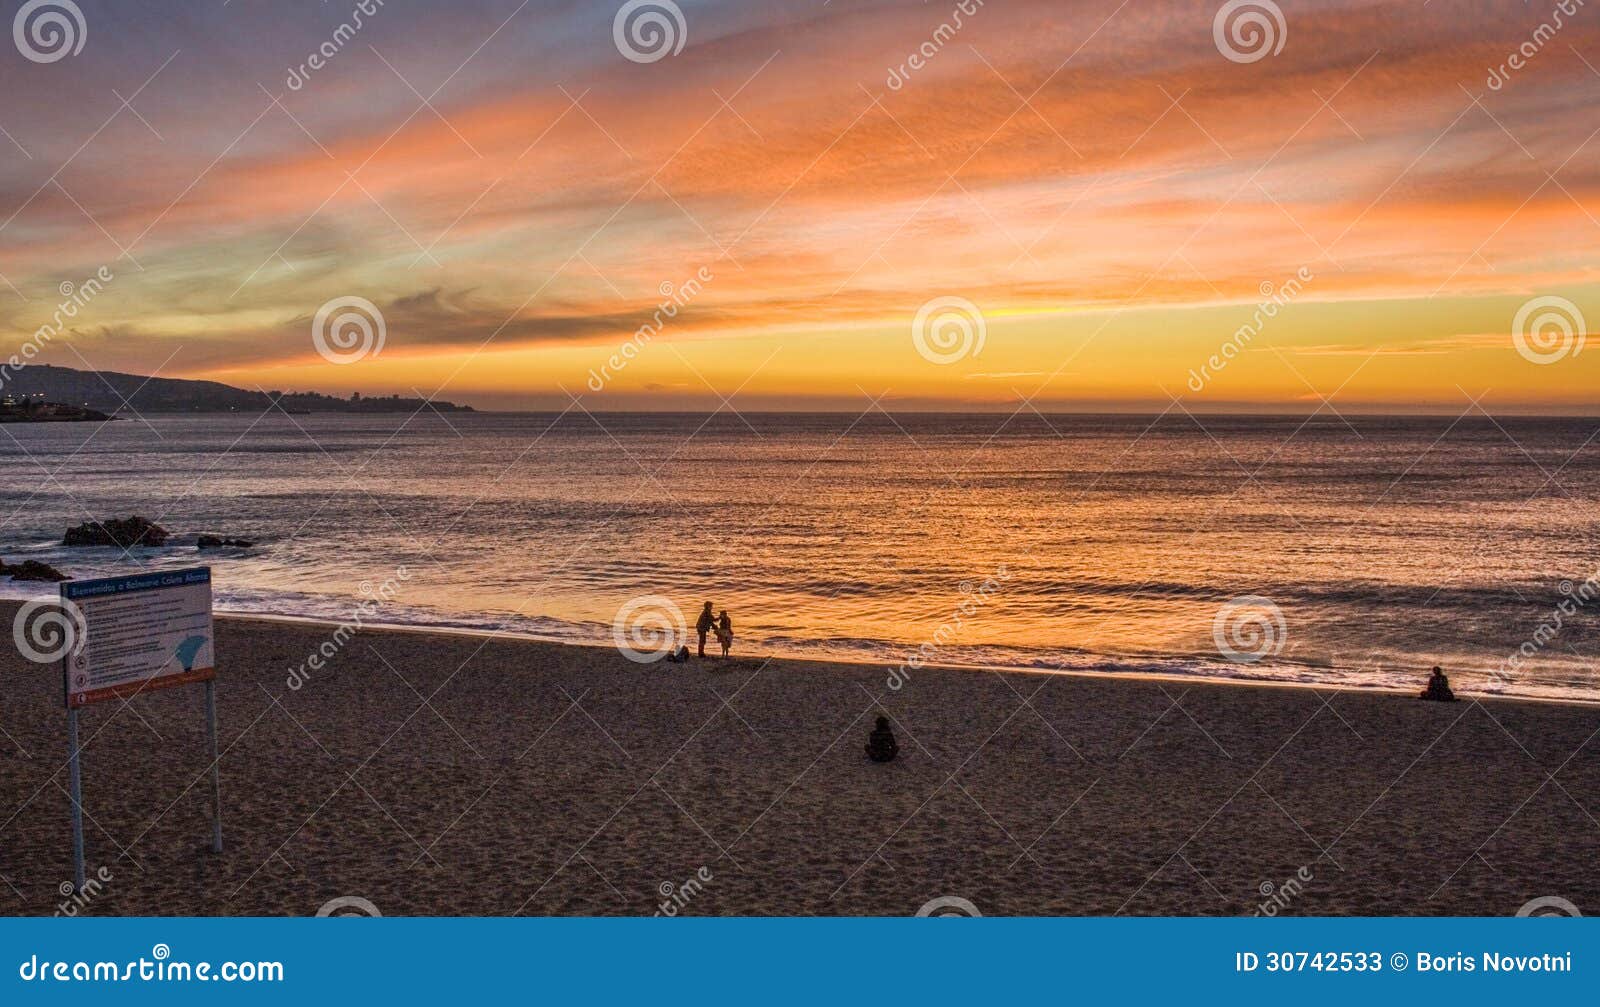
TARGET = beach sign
(135,634)
(138,633)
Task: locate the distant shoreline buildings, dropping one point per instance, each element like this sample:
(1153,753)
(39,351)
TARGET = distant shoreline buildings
(111,392)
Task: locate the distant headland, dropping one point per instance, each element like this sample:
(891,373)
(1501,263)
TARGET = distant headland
(35,409)
(111,392)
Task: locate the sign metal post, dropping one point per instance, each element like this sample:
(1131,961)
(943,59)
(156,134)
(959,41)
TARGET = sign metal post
(76,780)
(216,771)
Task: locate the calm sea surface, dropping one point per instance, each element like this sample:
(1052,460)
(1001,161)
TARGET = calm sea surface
(1371,550)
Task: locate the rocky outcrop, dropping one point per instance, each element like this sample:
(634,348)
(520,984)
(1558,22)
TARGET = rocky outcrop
(125,533)
(215,542)
(31,570)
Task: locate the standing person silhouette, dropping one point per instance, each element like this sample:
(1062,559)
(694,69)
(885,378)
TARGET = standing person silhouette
(725,632)
(703,625)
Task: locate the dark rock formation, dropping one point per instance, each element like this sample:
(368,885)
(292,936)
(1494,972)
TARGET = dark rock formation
(32,570)
(214,542)
(119,532)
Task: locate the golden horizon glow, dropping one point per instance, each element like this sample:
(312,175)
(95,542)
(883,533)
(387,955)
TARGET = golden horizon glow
(1115,229)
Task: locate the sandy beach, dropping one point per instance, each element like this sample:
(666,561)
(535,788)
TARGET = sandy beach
(446,775)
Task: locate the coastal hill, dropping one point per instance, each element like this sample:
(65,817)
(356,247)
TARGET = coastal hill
(112,392)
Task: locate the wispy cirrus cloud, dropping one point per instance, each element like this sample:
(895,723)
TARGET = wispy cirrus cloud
(549,186)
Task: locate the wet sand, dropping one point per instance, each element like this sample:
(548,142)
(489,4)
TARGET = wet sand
(435,774)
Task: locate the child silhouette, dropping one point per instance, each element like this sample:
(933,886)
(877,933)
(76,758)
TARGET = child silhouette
(881,746)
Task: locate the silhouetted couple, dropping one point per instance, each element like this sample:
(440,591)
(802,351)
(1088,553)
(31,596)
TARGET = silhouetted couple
(1438,689)
(721,624)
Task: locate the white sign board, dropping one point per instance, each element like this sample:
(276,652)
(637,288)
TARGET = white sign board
(139,633)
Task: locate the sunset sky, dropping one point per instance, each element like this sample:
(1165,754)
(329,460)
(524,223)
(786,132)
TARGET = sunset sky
(1099,179)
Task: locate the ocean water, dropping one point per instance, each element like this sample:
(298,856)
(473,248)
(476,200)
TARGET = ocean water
(1363,551)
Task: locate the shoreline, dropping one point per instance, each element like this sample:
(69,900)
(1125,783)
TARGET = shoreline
(804,658)
(441,774)
(1094,665)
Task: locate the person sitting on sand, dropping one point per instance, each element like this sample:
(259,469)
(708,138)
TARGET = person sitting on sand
(725,632)
(703,625)
(678,655)
(881,746)
(1438,689)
